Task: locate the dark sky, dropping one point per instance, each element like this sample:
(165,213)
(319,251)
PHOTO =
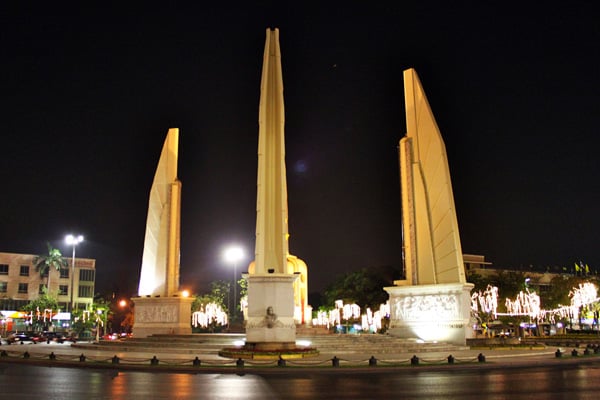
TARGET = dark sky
(87,97)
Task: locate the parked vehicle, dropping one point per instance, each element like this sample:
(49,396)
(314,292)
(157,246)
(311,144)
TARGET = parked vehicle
(58,337)
(52,337)
(21,338)
(110,336)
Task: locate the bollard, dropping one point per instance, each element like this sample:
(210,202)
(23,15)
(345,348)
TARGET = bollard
(115,359)
(481,358)
(335,362)
(81,358)
(281,362)
(154,361)
(372,361)
(450,359)
(414,360)
(26,355)
(558,353)
(52,356)
(3,353)
(574,353)
(239,363)
(196,362)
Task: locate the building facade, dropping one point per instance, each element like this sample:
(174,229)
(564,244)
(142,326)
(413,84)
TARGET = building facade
(20,282)
(540,282)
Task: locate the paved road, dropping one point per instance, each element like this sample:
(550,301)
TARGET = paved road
(537,383)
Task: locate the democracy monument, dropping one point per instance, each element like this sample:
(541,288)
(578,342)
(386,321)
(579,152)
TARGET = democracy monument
(160,307)
(431,303)
(274,292)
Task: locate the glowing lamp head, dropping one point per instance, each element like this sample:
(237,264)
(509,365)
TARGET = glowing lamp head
(73,240)
(233,254)
(185,293)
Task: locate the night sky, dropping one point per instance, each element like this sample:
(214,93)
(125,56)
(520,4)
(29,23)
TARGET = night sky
(87,97)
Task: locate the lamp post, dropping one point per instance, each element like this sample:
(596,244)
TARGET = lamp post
(233,255)
(98,322)
(73,241)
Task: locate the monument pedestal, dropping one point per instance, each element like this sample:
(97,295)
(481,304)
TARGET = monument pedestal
(270,324)
(431,312)
(162,315)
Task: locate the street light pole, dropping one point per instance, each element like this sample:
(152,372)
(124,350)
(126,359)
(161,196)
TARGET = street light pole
(74,241)
(233,255)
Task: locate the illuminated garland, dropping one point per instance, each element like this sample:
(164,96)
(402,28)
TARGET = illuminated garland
(528,303)
(370,321)
(211,313)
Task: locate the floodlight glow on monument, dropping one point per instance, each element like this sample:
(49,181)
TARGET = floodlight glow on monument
(160,261)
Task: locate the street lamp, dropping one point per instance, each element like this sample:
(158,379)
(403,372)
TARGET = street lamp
(73,241)
(233,255)
(98,323)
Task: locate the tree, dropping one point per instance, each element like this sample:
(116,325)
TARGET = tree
(243,285)
(200,301)
(94,319)
(363,287)
(46,263)
(479,281)
(219,294)
(509,284)
(559,289)
(219,291)
(40,320)
(81,321)
(127,322)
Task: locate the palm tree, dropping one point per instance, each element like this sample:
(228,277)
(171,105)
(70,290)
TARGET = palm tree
(53,260)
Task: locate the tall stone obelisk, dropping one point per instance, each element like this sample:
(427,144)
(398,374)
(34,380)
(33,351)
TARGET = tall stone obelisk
(270,323)
(433,302)
(160,308)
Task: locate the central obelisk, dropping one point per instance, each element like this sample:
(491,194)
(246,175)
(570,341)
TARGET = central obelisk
(270,323)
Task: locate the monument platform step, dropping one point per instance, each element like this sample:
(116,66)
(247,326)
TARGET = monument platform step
(327,344)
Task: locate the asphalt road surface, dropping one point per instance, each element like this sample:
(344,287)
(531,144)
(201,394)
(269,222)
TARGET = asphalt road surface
(565,381)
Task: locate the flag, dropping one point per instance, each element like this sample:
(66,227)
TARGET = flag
(576,267)
(587,269)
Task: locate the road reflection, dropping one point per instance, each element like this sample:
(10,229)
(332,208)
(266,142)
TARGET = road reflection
(557,382)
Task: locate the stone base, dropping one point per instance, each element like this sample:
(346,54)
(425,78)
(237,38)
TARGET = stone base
(431,313)
(270,346)
(270,310)
(275,353)
(162,315)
